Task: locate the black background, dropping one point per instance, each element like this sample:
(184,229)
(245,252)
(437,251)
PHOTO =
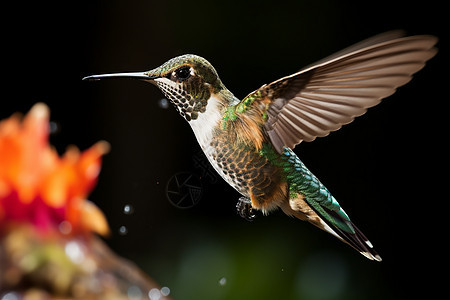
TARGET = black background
(387,169)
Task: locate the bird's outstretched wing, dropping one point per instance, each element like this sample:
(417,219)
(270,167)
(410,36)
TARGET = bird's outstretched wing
(332,92)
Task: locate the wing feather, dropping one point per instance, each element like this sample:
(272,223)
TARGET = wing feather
(322,97)
(303,119)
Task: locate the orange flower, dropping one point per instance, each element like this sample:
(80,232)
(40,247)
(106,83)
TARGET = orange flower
(39,187)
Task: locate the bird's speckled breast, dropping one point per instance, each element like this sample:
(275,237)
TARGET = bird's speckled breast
(250,173)
(229,166)
(240,165)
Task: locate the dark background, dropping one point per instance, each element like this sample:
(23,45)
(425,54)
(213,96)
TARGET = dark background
(387,168)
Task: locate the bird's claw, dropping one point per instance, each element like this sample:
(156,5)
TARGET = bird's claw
(244,209)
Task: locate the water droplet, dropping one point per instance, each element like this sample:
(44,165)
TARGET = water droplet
(154,294)
(128,209)
(223,281)
(65,227)
(163,103)
(74,251)
(165,291)
(123,230)
(54,127)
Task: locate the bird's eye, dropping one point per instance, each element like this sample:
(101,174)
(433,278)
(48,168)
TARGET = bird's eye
(182,73)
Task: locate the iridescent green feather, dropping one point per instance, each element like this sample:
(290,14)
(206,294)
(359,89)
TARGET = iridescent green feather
(229,115)
(302,181)
(247,102)
(232,112)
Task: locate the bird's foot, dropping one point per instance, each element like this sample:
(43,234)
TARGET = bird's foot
(244,208)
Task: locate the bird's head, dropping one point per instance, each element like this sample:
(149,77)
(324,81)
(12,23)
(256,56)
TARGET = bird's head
(188,81)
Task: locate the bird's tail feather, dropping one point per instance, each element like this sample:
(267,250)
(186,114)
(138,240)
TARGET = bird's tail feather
(357,240)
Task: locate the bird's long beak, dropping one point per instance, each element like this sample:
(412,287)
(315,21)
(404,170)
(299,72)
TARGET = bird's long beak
(147,76)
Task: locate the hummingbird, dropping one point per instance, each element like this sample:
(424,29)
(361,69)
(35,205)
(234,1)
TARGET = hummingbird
(249,142)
